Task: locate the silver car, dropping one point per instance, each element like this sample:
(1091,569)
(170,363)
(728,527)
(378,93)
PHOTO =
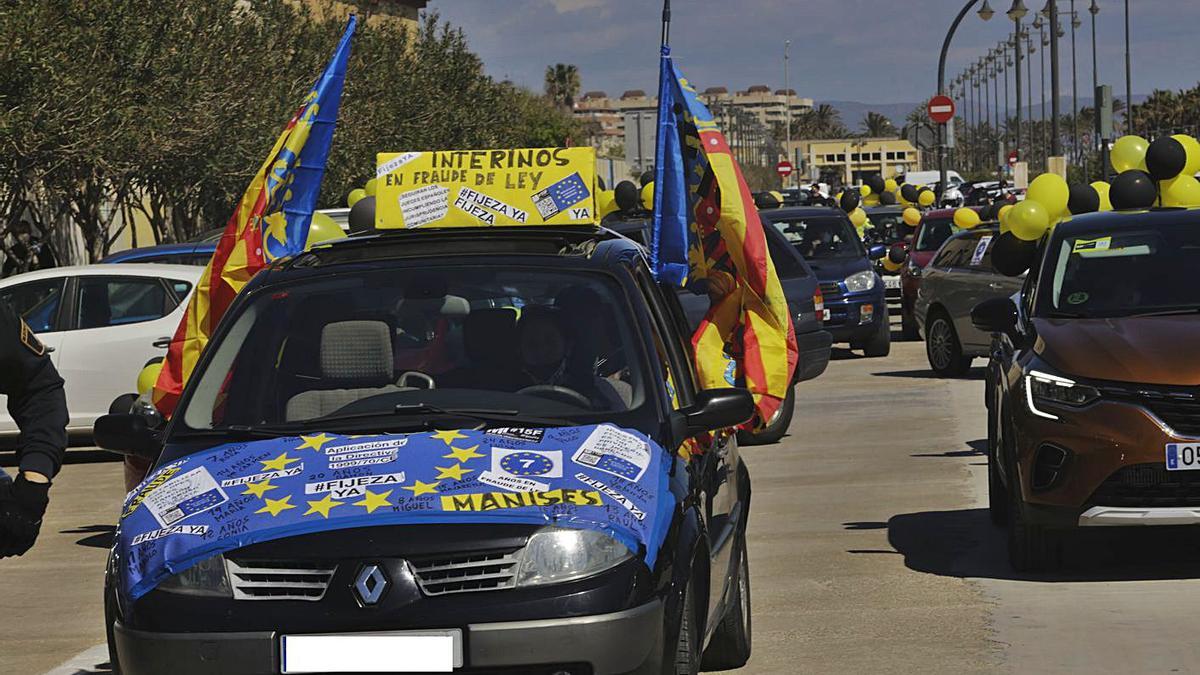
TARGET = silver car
(959,277)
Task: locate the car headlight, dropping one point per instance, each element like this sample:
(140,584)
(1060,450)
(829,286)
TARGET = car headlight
(554,555)
(862,281)
(1044,389)
(206,577)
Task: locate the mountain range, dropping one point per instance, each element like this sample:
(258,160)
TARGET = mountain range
(853,112)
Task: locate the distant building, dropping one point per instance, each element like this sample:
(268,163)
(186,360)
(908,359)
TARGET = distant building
(849,160)
(770,108)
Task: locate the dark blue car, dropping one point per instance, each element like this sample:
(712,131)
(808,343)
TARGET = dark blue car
(855,307)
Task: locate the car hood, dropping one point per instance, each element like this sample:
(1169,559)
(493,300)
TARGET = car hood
(837,269)
(1148,350)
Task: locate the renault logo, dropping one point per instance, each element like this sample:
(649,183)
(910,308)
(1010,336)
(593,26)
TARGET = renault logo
(370,584)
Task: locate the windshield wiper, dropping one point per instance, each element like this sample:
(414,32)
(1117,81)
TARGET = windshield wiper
(1169,311)
(403,414)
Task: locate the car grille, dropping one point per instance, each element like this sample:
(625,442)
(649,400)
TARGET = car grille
(466,572)
(831,290)
(1148,485)
(279,580)
(1177,407)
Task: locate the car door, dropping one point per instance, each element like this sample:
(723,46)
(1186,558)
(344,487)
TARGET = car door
(40,304)
(992,284)
(967,280)
(984,283)
(937,279)
(118,323)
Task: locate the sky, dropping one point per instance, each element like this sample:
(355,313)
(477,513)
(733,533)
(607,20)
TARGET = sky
(873,51)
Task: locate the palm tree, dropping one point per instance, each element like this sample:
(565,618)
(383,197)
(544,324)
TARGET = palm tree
(821,122)
(877,125)
(562,84)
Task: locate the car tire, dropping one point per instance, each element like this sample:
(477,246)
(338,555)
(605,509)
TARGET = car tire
(777,427)
(110,618)
(942,347)
(1031,547)
(684,659)
(730,645)
(880,344)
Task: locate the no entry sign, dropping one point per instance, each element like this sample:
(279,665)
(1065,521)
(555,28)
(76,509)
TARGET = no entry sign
(784,168)
(941,109)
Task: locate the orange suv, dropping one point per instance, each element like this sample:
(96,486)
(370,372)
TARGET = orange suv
(1093,387)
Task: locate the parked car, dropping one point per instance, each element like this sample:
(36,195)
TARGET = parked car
(853,294)
(800,287)
(311,346)
(1093,404)
(101,323)
(931,178)
(960,277)
(935,228)
(890,230)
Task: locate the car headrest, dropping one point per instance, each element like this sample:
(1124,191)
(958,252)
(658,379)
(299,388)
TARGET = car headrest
(490,335)
(543,341)
(357,350)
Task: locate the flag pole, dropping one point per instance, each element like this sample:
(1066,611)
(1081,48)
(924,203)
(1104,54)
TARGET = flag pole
(666,23)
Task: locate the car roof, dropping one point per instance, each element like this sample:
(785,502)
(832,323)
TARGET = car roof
(1090,222)
(189,272)
(164,249)
(802,211)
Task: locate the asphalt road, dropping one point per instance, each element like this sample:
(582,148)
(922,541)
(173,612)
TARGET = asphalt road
(870,551)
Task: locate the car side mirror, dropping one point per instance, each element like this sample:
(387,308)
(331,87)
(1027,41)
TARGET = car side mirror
(877,251)
(998,315)
(716,409)
(128,434)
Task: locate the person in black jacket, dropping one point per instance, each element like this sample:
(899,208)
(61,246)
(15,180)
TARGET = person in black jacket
(38,405)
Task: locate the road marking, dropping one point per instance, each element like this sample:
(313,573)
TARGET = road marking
(85,663)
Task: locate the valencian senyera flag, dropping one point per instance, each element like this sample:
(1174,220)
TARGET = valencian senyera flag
(271,221)
(707,234)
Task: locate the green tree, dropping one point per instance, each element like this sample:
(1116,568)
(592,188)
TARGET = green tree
(877,125)
(562,84)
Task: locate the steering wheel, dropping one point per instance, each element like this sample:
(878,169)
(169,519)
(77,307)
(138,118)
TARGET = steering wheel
(556,392)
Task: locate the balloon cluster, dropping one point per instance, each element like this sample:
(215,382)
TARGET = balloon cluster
(877,191)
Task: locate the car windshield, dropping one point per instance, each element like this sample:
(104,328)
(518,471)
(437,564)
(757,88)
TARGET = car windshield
(1132,271)
(935,232)
(889,227)
(821,237)
(393,343)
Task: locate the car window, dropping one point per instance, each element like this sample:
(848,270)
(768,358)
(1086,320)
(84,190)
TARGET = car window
(953,253)
(787,266)
(37,302)
(118,301)
(981,253)
(935,232)
(181,288)
(820,237)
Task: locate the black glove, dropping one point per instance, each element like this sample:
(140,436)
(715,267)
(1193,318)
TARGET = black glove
(21,512)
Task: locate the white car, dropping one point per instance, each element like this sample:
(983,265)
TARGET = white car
(101,323)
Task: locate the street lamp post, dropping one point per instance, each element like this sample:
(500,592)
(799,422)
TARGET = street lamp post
(1075,91)
(1016,13)
(1094,9)
(1055,135)
(985,13)
(1128,77)
(787,106)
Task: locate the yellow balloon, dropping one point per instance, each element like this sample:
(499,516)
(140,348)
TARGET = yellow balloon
(891,266)
(890,185)
(1051,191)
(1182,190)
(872,200)
(1003,217)
(966,218)
(912,217)
(606,202)
(926,198)
(147,378)
(1129,152)
(1192,147)
(859,218)
(648,196)
(1102,189)
(1029,220)
(322,229)
(355,195)
(370,187)
(864,190)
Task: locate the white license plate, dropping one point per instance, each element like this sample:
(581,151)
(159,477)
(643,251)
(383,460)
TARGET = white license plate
(891,282)
(434,651)
(824,315)
(1183,456)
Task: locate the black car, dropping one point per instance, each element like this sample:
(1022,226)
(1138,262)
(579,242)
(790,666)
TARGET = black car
(800,287)
(411,331)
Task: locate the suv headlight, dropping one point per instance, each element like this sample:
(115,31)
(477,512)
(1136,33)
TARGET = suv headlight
(862,281)
(554,555)
(1042,388)
(206,577)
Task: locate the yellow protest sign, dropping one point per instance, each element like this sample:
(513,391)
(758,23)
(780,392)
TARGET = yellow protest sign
(485,188)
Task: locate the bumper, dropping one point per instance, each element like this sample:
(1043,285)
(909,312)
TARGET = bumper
(845,317)
(1101,516)
(814,350)
(630,641)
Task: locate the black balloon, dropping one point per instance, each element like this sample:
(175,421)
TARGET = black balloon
(627,195)
(897,254)
(647,177)
(1084,199)
(1012,256)
(900,180)
(1133,189)
(876,183)
(887,199)
(850,200)
(910,193)
(1166,158)
(362,215)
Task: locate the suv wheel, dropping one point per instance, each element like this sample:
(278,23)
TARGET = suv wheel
(943,348)
(880,344)
(1031,547)
(997,495)
(684,659)
(730,644)
(777,427)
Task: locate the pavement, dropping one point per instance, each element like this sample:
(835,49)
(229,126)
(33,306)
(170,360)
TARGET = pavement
(870,551)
